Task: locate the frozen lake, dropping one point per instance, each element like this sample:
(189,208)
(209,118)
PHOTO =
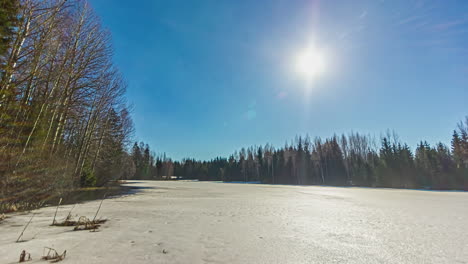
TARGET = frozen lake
(207,222)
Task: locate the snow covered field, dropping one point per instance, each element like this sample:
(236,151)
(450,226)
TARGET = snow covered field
(207,222)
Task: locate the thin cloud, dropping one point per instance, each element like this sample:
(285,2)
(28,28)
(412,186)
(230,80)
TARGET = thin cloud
(409,20)
(449,24)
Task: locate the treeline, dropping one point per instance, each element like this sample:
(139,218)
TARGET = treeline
(64,122)
(147,166)
(346,160)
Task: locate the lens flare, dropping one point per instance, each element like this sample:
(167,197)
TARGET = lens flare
(310,63)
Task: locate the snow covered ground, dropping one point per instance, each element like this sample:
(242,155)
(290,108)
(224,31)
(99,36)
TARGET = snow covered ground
(207,222)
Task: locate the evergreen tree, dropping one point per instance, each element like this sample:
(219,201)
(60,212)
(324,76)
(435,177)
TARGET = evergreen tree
(340,161)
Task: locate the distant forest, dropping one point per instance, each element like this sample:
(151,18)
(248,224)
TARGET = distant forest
(346,160)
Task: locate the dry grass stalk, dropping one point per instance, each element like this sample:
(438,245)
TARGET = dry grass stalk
(24,256)
(18,240)
(56,210)
(67,222)
(69,213)
(99,208)
(84,223)
(52,255)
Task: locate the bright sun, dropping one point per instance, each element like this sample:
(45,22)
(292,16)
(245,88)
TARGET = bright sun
(310,63)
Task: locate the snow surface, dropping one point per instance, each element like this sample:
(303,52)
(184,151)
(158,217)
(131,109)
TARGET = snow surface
(208,222)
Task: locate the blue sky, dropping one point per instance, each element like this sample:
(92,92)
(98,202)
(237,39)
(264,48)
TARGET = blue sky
(207,77)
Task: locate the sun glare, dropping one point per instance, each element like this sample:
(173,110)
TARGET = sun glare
(310,63)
